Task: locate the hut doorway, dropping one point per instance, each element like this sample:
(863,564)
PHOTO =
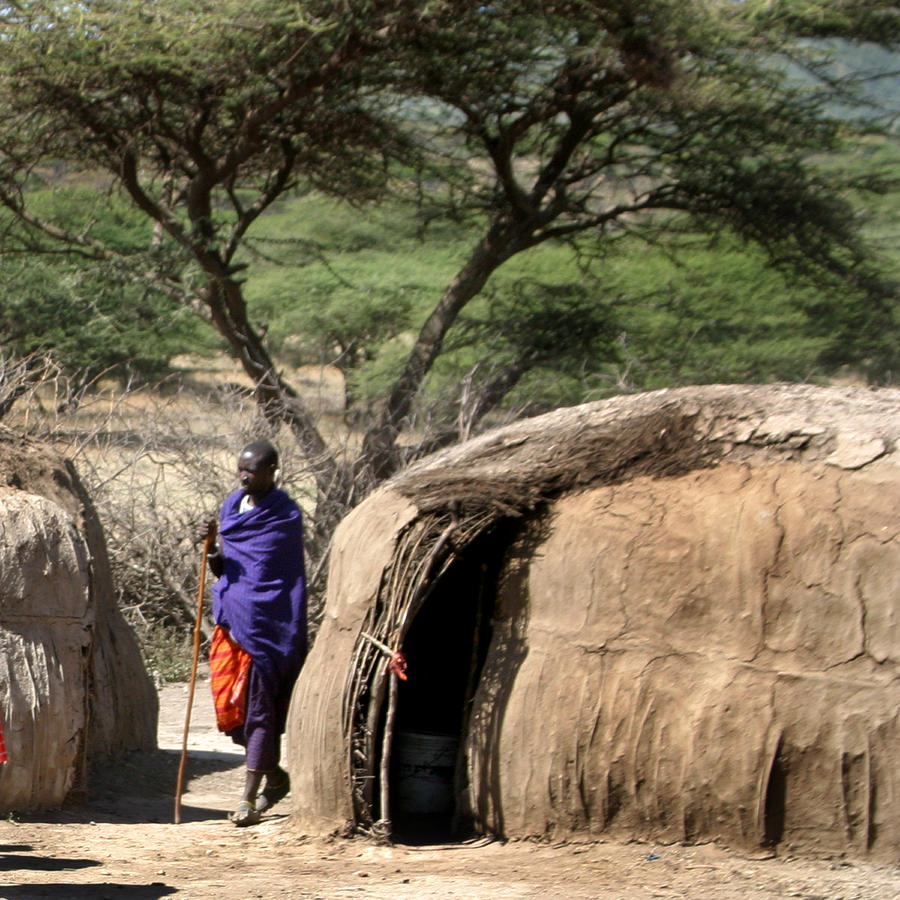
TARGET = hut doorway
(445,648)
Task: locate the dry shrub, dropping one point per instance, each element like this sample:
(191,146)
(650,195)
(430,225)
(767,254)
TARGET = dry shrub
(157,462)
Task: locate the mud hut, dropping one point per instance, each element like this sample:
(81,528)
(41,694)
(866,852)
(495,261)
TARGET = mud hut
(672,616)
(73,689)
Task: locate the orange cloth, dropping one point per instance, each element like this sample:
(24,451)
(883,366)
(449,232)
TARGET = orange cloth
(229,669)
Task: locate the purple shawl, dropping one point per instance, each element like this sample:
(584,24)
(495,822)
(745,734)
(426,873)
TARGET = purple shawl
(261,595)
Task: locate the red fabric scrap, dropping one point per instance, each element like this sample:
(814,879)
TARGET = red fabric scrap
(397,665)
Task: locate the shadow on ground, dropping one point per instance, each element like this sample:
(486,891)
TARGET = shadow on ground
(140,788)
(104,891)
(17,860)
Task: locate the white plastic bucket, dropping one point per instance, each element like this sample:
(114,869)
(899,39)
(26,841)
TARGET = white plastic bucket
(424,765)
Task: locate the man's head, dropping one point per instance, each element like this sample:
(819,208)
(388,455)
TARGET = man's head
(256,468)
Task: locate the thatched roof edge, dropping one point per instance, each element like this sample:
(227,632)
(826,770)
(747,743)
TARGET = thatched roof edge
(663,433)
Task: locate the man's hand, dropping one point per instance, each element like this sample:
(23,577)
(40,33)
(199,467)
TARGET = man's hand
(208,529)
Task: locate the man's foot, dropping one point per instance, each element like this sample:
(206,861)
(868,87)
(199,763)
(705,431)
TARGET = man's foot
(278,784)
(245,814)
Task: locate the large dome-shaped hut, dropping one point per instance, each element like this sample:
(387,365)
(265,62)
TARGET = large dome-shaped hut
(673,616)
(73,688)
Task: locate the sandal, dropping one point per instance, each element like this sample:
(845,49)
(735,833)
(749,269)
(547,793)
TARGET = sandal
(245,814)
(275,790)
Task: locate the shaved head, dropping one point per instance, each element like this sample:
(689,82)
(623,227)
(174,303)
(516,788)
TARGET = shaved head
(261,451)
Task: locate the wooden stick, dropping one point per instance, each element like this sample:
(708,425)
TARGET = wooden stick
(207,544)
(379,644)
(387,744)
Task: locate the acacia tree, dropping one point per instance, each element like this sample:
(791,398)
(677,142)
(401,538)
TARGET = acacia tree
(539,121)
(203,115)
(599,121)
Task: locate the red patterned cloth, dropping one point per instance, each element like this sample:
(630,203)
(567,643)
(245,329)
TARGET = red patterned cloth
(3,757)
(229,669)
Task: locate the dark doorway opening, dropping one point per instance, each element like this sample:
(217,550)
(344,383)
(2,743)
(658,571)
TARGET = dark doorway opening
(445,649)
(775,803)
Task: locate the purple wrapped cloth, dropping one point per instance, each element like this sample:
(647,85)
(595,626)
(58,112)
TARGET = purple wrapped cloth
(261,594)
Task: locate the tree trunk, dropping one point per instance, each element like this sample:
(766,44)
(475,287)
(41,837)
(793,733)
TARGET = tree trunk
(502,241)
(337,487)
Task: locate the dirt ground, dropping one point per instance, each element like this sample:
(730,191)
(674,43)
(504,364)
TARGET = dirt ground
(124,844)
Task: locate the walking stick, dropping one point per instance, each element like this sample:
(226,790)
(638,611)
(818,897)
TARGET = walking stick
(207,543)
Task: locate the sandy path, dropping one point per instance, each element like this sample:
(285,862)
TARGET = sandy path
(125,845)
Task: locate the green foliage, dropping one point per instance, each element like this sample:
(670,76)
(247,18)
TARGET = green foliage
(349,286)
(560,134)
(167,652)
(716,315)
(640,319)
(859,20)
(90,325)
(92,319)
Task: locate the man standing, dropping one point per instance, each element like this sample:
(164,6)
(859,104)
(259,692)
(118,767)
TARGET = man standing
(259,607)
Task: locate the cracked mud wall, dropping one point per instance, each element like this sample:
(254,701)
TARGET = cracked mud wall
(45,642)
(73,689)
(696,637)
(712,656)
